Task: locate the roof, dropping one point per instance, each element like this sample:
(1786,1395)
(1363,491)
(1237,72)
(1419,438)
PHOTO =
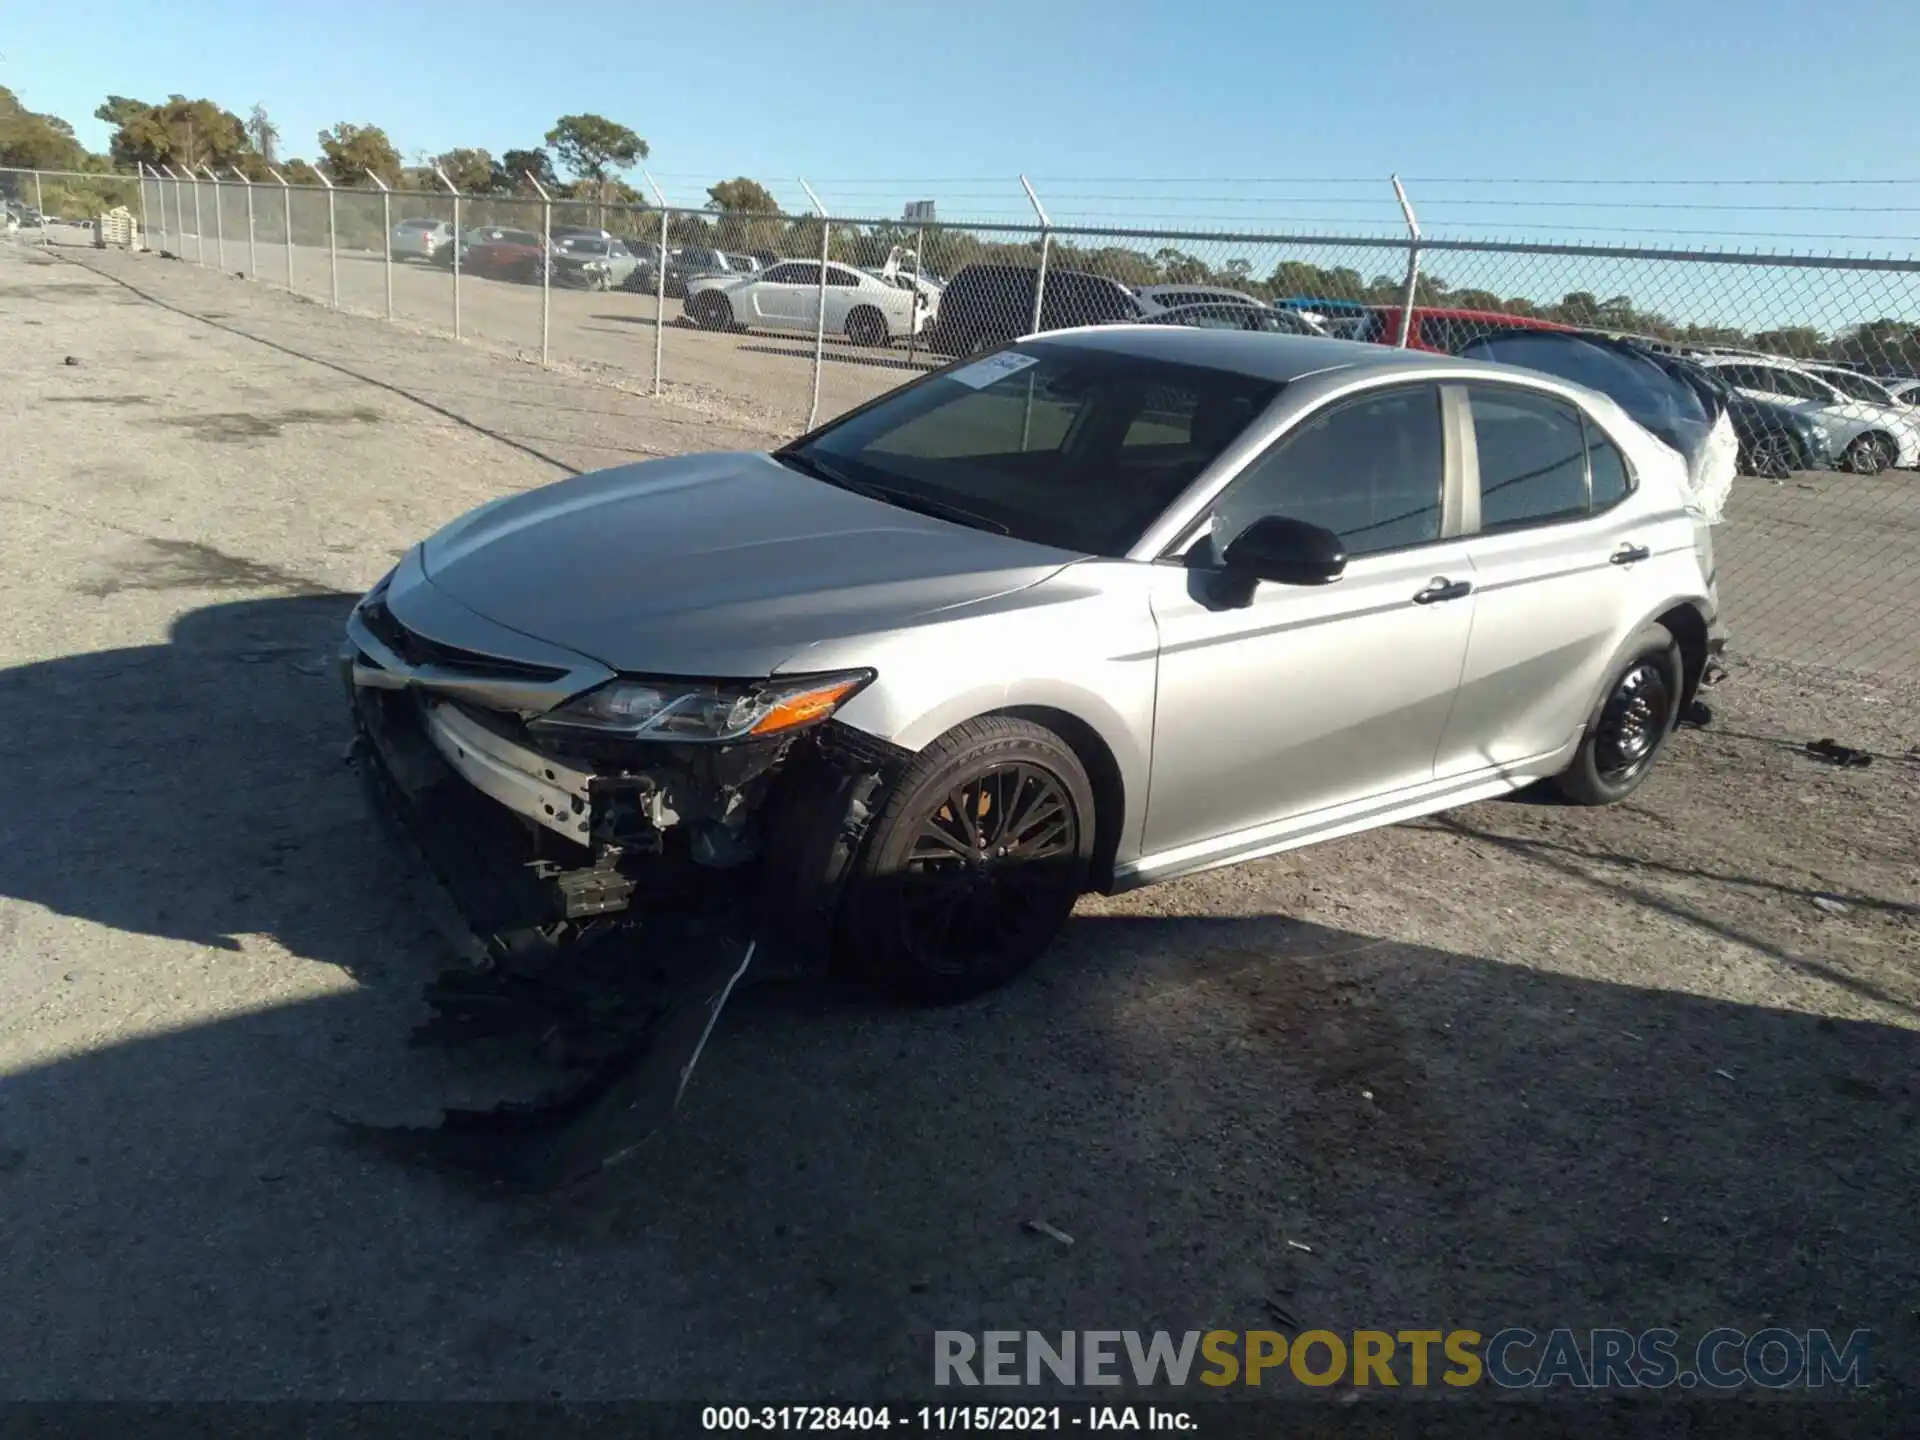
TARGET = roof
(1257,354)
(1444,312)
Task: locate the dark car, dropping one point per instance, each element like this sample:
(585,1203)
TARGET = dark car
(984,306)
(689,262)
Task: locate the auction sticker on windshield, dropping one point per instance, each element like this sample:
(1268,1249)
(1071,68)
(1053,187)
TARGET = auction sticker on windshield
(983,373)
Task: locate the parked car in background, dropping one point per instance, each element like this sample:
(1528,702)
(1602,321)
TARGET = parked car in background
(1690,419)
(592,263)
(499,253)
(1867,437)
(987,305)
(688,263)
(1342,319)
(1153,298)
(1441,329)
(864,308)
(1855,384)
(421,238)
(1217,315)
(1903,389)
(1774,440)
(1095,611)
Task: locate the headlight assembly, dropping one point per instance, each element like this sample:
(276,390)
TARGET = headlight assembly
(703,713)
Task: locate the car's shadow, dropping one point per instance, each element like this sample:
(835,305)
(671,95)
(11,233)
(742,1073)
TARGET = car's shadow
(1242,1121)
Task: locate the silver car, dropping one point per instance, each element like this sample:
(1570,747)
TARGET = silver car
(421,238)
(1101,608)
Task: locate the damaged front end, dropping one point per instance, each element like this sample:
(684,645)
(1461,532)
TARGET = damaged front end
(609,856)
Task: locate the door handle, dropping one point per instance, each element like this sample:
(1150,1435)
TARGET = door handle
(1443,589)
(1627,554)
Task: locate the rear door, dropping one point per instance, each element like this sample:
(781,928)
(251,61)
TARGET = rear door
(1554,551)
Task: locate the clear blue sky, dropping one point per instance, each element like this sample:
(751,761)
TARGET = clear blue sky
(879,103)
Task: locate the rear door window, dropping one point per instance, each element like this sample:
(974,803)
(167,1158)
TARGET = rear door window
(1533,459)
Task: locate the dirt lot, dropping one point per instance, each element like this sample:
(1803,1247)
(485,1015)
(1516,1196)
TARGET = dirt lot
(1515,1065)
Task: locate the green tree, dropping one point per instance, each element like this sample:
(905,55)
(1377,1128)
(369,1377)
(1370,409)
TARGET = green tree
(1803,342)
(516,165)
(348,152)
(182,133)
(32,141)
(594,148)
(741,196)
(471,171)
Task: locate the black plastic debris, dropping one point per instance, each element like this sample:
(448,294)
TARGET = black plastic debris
(1835,753)
(631,1043)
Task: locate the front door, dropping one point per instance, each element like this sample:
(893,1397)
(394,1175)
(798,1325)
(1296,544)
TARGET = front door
(1306,699)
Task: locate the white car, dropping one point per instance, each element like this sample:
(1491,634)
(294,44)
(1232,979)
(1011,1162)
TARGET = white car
(1157,298)
(421,238)
(1868,435)
(862,307)
(1907,392)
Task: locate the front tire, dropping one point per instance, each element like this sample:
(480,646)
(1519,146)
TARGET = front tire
(1869,454)
(1629,726)
(973,863)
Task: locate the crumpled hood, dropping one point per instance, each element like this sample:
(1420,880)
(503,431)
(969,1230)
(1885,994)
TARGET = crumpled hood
(715,565)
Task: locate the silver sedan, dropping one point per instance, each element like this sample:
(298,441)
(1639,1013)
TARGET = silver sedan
(1101,608)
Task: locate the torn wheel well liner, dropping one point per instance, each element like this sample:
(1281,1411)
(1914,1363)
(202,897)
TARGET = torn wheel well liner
(1689,630)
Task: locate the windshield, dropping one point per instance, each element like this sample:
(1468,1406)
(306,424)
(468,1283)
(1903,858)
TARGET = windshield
(1056,444)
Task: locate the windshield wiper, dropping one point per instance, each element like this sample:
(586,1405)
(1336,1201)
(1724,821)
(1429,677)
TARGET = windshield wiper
(889,495)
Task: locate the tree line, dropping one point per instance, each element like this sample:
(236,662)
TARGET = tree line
(584,159)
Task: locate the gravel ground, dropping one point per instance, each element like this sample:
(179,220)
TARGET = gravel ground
(1511,1065)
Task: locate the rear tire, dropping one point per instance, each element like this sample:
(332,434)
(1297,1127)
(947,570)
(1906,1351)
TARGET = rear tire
(867,326)
(1773,458)
(711,312)
(1629,726)
(1869,454)
(972,864)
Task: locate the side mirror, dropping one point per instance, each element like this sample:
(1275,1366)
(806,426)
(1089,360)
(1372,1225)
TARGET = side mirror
(1287,552)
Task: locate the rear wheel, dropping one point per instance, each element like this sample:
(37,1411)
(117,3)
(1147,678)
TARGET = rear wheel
(973,863)
(711,312)
(1869,454)
(867,326)
(1629,727)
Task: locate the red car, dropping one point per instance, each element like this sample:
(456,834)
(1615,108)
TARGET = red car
(502,254)
(1437,328)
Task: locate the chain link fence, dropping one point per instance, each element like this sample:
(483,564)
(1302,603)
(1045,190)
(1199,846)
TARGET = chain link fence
(791,319)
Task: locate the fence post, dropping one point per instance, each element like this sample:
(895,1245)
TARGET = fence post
(820,316)
(386,230)
(253,258)
(659,285)
(173,239)
(40,205)
(1413,263)
(286,206)
(146,228)
(456,247)
(333,242)
(913,320)
(219,219)
(1046,249)
(199,240)
(546,269)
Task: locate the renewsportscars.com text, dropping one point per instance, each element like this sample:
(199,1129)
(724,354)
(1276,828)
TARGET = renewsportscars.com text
(1513,1358)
